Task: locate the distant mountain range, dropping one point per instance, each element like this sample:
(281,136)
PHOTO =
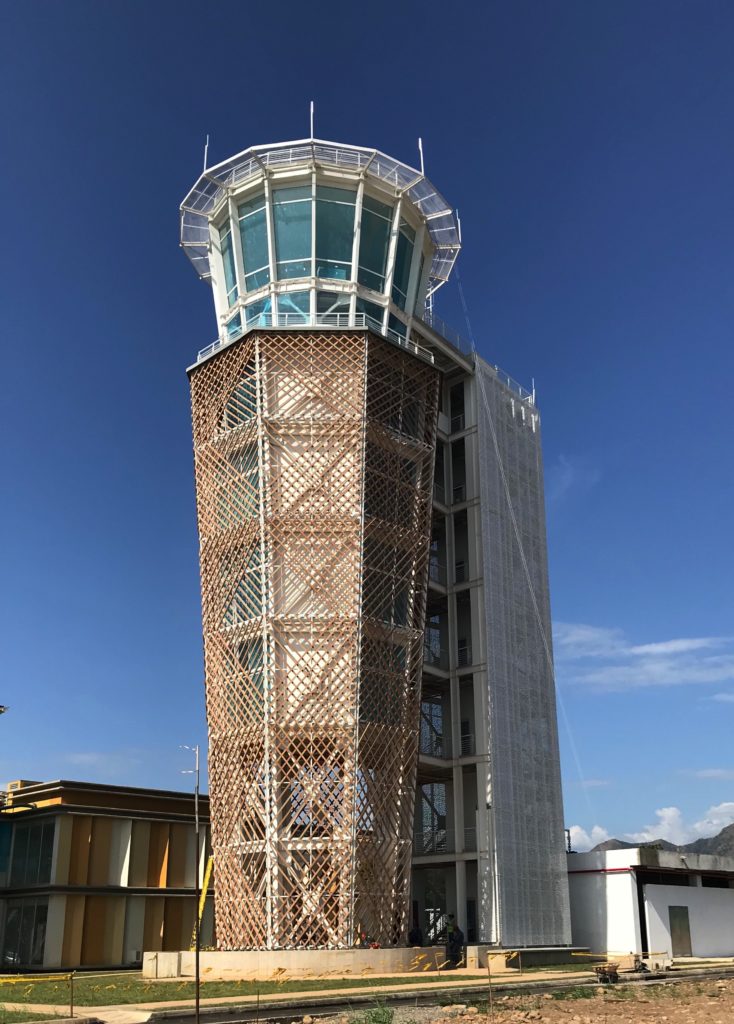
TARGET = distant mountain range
(721,845)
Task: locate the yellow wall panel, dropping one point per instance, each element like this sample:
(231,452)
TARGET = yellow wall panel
(95,928)
(153,927)
(158,854)
(177,851)
(73,928)
(139,843)
(81,837)
(99,852)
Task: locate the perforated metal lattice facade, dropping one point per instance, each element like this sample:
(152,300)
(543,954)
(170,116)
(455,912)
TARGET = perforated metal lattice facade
(529,880)
(314,468)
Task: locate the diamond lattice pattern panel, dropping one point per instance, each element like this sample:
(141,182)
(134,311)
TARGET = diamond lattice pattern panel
(314,457)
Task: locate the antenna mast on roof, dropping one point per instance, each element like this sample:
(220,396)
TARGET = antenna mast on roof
(420,150)
(206,151)
(311,118)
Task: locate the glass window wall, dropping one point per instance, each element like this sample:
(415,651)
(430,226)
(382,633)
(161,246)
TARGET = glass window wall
(32,853)
(292,225)
(24,936)
(334,232)
(297,305)
(331,302)
(373,243)
(403,260)
(375,314)
(257,314)
(230,276)
(254,237)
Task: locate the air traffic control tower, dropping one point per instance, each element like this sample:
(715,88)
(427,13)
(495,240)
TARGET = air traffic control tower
(379,688)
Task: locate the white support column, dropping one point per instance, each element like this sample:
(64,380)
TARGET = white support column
(355,244)
(53,945)
(413,281)
(239,261)
(271,238)
(392,249)
(461,895)
(218,281)
(312,275)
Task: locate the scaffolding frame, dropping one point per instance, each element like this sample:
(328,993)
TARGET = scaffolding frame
(314,455)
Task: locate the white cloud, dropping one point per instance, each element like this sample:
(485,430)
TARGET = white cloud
(105,765)
(603,659)
(594,783)
(581,840)
(724,698)
(569,473)
(714,773)
(669,825)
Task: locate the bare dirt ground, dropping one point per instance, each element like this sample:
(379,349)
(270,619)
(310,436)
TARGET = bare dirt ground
(694,1002)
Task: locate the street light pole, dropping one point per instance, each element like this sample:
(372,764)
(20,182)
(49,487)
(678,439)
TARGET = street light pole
(197,936)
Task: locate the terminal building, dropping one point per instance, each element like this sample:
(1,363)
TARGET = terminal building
(379,685)
(94,875)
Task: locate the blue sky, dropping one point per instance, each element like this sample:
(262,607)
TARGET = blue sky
(588,147)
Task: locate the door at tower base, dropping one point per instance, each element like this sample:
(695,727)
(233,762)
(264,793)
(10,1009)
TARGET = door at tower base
(314,469)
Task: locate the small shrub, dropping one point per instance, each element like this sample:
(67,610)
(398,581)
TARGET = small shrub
(577,992)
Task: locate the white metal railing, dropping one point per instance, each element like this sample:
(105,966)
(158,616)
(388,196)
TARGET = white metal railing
(464,658)
(442,840)
(467,745)
(334,321)
(454,338)
(435,745)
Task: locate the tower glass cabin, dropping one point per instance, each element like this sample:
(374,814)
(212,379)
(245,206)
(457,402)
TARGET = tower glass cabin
(366,693)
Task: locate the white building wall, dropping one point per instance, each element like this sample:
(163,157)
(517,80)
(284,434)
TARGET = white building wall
(710,914)
(52,950)
(604,913)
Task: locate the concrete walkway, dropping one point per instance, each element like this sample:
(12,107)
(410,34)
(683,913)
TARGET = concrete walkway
(139,1013)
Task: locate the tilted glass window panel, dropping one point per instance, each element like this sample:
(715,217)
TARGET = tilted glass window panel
(234,325)
(296,305)
(245,587)
(258,313)
(238,487)
(254,237)
(241,405)
(396,325)
(334,232)
(420,299)
(373,243)
(332,302)
(230,275)
(403,260)
(292,225)
(375,314)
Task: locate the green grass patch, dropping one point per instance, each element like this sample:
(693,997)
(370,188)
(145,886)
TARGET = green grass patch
(132,988)
(379,1014)
(576,992)
(20,1017)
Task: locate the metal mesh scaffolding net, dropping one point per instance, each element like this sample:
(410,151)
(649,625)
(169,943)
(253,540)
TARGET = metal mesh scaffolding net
(524,790)
(314,460)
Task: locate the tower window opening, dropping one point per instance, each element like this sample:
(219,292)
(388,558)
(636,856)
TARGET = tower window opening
(254,238)
(403,260)
(373,243)
(334,232)
(292,226)
(230,274)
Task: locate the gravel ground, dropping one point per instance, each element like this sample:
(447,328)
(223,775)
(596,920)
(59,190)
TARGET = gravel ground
(704,1002)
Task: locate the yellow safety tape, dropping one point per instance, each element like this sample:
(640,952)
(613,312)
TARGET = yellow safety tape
(22,979)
